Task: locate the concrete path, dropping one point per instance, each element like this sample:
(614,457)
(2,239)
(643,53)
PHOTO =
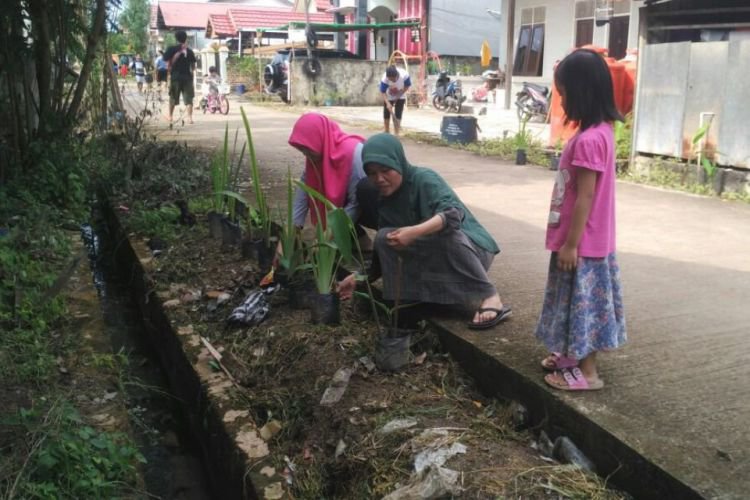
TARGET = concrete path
(675,392)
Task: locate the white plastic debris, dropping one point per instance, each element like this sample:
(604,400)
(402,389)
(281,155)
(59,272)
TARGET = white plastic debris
(335,391)
(435,482)
(398,424)
(436,457)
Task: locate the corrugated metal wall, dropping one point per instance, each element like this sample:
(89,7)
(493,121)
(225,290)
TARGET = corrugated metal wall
(679,81)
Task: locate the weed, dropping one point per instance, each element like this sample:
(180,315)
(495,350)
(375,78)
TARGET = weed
(160,221)
(68,459)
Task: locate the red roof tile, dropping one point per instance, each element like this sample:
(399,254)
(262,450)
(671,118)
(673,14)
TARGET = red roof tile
(323,5)
(221,26)
(190,14)
(154,19)
(248,19)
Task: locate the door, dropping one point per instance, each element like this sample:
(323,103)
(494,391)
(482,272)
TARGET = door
(618,36)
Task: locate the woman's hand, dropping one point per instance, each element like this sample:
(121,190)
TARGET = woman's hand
(402,237)
(345,288)
(567,258)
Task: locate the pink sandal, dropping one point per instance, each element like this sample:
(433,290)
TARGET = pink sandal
(574,381)
(557,361)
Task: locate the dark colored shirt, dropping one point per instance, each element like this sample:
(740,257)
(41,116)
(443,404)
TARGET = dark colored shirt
(182,64)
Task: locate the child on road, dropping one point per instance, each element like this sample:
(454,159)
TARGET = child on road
(582,312)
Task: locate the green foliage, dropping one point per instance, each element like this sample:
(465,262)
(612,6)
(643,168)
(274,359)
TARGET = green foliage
(700,152)
(523,138)
(32,256)
(69,459)
(245,69)
(135,20)
(262,215)
(291,244)
(624,137)
(160,221)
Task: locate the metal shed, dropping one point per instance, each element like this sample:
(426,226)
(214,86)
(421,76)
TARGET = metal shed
(694,70)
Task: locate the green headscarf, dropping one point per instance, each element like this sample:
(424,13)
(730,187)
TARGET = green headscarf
(423,193)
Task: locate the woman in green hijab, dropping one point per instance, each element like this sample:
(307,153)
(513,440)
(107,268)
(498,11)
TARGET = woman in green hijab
(445,253)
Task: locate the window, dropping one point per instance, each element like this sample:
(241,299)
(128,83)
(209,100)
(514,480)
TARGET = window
(530,48)
(584,23)
(618,29)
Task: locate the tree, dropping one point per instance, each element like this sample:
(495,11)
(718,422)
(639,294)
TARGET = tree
(135,21)
(48,50)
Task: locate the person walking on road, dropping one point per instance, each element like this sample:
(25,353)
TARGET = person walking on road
(393,87)
(582,312)
(180,64)
(139,69)
(161,70)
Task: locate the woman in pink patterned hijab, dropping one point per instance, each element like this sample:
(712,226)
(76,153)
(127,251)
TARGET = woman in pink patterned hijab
(333,167)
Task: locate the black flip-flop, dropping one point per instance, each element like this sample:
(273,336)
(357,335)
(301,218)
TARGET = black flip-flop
(502,315)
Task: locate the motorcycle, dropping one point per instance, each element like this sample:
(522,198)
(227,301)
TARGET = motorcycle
(447,95)
(531,101)
(214,102)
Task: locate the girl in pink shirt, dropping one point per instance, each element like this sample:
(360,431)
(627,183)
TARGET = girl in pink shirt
(582,311)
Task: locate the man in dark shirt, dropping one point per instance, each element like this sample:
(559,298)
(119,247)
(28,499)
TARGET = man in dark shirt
(180,65)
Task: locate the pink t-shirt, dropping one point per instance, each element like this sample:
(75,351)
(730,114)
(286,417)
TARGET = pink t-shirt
(593,149)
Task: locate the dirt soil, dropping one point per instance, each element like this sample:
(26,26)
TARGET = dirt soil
(298,448)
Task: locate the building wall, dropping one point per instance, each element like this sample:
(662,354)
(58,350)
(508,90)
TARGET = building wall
(559,37)
(342,81)
(458,27)
(410,9)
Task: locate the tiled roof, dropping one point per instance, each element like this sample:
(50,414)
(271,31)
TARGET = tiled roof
(154,20)
(190,14)
(323,5)
(221,26)
(248,19)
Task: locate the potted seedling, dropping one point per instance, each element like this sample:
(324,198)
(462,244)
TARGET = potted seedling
(260,244)
(335,243)
(554,161)
(224,176)
(290,258)
(521,141)
(393,347)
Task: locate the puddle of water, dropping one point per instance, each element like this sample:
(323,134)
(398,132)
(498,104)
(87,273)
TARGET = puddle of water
(173,469)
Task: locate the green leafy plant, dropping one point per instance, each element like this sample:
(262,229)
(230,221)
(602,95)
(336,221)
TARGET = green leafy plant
(523,138)
(623,137)
(69,459)
(225,174)
(261,218)
(700,153)
(291,245)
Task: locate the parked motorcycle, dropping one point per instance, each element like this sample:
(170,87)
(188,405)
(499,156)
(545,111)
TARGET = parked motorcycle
(531,101)
(214,102)
(447,95)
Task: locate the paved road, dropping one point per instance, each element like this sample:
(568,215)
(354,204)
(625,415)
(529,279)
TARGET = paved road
(676,392)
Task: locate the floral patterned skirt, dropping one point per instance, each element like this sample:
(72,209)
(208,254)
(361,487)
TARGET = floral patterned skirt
(582,311)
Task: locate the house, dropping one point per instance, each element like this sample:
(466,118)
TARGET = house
(547,30)
(191,17)
(694,65)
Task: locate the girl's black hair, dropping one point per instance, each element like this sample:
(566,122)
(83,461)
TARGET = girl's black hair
(584,78)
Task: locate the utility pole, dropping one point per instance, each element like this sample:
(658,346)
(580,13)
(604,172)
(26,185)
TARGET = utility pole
(509,51)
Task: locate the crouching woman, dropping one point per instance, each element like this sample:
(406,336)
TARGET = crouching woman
(445,253)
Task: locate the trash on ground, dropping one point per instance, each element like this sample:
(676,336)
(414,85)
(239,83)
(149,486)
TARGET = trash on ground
(398,424)
(253,310)
(567,452)
(335,391)
(436,457)
(434,482)
(270,429)
(340,448)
